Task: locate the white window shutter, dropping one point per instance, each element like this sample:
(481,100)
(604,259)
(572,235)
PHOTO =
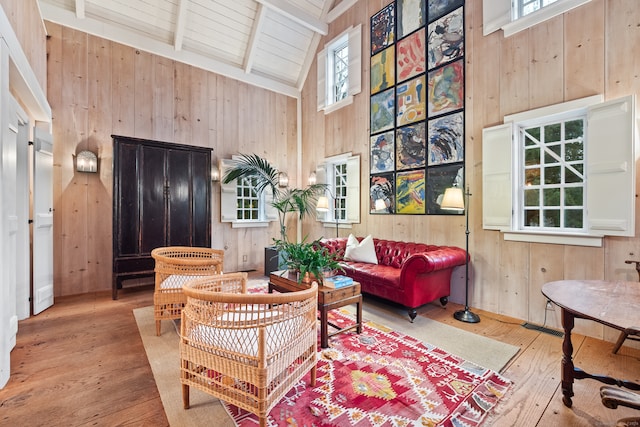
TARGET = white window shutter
(228,195)
(321,178)
(496,177)
(353,189)
(355,60)
(271,213)
(322,79)
(495,14)
(611,158)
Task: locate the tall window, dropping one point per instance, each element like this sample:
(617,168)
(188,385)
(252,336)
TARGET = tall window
(340,189)
(516,15)
(524,7)
(563,173)
(553,179)
(241,205)
(247,200)
(340,70)
(342,174)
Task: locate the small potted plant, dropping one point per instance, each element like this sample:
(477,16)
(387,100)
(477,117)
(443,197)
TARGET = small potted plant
(311,261)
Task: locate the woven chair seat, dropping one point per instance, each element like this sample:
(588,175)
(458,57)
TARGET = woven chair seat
(176,281)
(246,349)
(174,266)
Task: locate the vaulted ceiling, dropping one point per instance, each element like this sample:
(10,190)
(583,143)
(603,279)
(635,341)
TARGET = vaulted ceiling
(267,43)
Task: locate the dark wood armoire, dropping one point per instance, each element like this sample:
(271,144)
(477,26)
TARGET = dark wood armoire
(161,197)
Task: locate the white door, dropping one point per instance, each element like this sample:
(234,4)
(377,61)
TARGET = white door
(23,195)
(10,220)
(42,221)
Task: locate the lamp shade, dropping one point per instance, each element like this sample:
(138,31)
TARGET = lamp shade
(453,199)
(323,204)
(86,161)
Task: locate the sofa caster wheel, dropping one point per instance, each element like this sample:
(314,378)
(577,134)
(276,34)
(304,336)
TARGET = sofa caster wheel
(444,301)
(412,314)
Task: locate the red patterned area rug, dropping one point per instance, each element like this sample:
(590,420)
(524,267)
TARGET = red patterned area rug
(385,378)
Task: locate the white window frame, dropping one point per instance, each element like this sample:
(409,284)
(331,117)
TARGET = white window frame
(610,151)
(229,203)
(325,175)
(326,99)
(498,14)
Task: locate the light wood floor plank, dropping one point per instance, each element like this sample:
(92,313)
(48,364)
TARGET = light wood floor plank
(82,363)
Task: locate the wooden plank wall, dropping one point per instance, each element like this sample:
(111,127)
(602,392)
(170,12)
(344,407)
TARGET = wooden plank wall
(590,50)
(98,88)
(25,19)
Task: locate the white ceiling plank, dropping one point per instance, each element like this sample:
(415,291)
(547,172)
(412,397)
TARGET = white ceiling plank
(180,24)
(127,37)
(300,16)
(253,39)
(80,9)
(339,9)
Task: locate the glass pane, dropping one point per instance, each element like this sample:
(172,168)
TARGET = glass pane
(532,197)
(549,158)
(573,129)
(532,176)
(532,218)
(532,156)
(532,136)
(570,176)
(574,151)
(552,175)
(573,196)
(552,133)
(551,217)
(573,218)
(551,197)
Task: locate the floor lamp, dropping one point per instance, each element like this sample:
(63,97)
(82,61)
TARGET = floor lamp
(453,200)
(323,206)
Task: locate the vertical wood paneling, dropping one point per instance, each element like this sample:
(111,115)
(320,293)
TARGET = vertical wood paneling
(143,100)
(100,88)
(546,63)
(591,49)
(100,186)
(584,52)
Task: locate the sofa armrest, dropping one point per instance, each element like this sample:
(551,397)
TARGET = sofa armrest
(427,262)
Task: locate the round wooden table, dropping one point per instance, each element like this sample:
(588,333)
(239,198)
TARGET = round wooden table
(614,304)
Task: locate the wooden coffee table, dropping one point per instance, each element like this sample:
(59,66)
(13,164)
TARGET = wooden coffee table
(328,299)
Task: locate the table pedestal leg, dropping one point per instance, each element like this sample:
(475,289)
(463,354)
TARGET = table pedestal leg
(568,321)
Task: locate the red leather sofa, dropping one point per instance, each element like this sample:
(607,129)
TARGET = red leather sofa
(411,274)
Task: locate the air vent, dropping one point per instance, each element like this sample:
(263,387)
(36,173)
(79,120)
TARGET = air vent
(543,329)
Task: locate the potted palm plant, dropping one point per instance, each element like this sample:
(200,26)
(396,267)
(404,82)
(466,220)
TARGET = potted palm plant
(285,200)
(300,201)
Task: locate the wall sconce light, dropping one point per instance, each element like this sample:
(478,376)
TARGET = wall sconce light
(215,173)
(312,178)
(86,161)
(283,179)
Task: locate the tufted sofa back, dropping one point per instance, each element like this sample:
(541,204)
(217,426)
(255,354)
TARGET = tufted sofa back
(388,252)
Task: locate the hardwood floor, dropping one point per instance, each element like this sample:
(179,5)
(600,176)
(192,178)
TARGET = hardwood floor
(82,363)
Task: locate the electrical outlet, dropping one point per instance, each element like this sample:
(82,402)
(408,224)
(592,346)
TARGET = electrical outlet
(244,258)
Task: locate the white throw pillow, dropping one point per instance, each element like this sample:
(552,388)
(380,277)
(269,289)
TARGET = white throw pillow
(363,251)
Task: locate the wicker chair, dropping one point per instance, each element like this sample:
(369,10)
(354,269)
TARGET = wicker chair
(174,266)
(246,349)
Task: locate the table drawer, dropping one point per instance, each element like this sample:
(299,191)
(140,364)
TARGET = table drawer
(327,296)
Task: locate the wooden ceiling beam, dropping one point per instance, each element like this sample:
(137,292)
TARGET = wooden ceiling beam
(303,18)
(80,8)
(181,22)
(253,39)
